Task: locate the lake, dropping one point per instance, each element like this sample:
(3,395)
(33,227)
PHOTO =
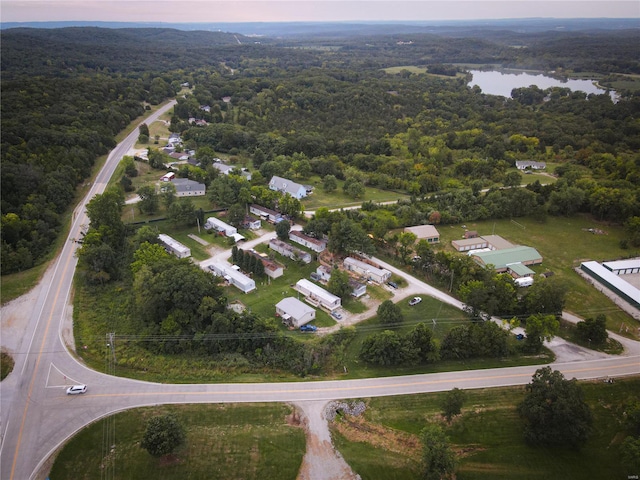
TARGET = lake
(498,83)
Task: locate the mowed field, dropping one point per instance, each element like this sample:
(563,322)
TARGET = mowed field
(564,243)
(487,437)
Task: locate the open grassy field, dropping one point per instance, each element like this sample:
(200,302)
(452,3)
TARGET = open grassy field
(563,243)
(337,198)
(487,437)
(249,441)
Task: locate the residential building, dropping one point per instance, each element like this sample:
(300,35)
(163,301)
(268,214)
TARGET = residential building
(189,188)
(366,270)
(220,226)
(289,251)
(357,289)
(529,164)
(227,169)
(271,269)
(425,232)
(323,273)
(174,247)
(294,312)
(317,295)
(234,276)
(265,213)
(251,223)
(306,241)
(168,177)
(284,185)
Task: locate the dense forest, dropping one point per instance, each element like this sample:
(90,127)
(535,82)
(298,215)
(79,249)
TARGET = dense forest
(322,106)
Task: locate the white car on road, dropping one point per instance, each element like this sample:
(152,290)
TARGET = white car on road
(76,389)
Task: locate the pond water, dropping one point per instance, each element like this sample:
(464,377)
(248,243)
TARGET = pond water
(498,83)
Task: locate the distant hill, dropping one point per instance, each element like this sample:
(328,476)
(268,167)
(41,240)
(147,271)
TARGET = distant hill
(338,29)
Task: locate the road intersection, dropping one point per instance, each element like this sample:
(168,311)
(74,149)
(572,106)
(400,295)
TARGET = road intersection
(37,416)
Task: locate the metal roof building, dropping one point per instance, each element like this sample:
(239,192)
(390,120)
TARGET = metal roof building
(613,282)
(318,295)
(426,232)
(623,267)
(294,312)
(173,246)
(233,276)
(502,259)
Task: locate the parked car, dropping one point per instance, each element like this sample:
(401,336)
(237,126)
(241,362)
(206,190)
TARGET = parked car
(308,328)
(336,315)
(76,389)
(392,284)
(520,336)
(415,301)
(315,276)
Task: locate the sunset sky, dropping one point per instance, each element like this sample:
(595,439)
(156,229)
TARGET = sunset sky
(178,11)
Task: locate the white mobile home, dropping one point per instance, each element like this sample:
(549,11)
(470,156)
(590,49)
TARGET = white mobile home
(233,276)
(220,226)
(294,312)
(174,247)
(289,251)
(265,213)
(317,295)
(307,241)
(366,270)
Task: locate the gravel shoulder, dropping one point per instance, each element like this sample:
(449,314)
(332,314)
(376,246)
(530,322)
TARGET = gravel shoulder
(321,461)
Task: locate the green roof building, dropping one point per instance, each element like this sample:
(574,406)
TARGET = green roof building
(514,260)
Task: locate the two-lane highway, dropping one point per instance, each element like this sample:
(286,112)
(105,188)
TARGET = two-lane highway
(37,416)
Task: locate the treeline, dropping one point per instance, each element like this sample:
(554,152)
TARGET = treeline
(67,92)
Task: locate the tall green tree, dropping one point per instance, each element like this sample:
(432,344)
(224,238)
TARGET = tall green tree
(389,313)
(149,200)
(339,284)
(452,403)
(164,434)
(438,459)
(538,329)
(554,411)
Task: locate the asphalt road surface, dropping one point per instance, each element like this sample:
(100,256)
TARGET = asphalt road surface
(37,416)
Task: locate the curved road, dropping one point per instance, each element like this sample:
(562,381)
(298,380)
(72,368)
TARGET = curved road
(37,416)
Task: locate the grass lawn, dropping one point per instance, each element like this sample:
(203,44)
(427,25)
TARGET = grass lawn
(337,199)
(487,437)
(563,243)
(269,292)
(249,441)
